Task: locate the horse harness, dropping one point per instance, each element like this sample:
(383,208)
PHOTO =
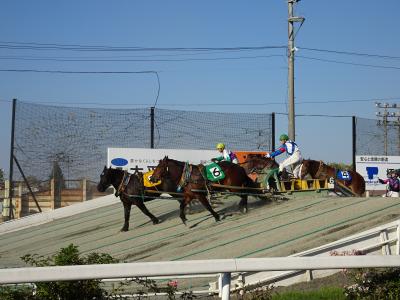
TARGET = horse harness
(126,178)
(186,176)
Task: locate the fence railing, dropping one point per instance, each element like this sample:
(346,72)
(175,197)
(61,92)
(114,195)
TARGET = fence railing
(194,267)
(48,195)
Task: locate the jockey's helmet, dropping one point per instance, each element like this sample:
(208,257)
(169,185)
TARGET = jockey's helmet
(283,137)
(220,146)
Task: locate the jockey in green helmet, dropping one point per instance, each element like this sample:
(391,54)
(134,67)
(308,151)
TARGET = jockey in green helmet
(226,155)
(292,151)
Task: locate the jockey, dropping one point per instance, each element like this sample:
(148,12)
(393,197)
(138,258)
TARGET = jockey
(292,151)
(226,155)
(393,184)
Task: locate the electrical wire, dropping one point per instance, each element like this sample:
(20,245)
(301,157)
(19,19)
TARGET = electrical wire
(349,63)
(349,53)
(142,60)
(77,47)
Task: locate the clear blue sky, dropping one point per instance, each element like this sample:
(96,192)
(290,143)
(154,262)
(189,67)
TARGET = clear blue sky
(219,77)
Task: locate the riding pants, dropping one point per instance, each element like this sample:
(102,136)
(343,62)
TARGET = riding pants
(294,160)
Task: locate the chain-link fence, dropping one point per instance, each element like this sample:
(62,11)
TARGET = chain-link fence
(375,137)
(73,141)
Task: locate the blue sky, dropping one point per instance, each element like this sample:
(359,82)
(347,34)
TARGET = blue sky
(257,78)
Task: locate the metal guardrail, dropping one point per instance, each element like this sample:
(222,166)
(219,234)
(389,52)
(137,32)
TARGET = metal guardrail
(194,267)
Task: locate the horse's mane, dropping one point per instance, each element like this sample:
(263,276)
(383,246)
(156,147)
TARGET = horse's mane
(176,161)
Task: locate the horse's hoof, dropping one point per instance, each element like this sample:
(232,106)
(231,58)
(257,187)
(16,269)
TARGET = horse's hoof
(244,210)
(217,218)
(156,221)
(124,229)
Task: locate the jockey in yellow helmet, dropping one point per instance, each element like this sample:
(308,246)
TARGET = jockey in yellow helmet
(226,155)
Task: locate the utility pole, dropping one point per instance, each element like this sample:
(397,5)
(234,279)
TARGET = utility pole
(291,49)
(388,119)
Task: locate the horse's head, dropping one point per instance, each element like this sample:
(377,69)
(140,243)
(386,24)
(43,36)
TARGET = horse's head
(314,168)
(161,171)
(257,163)
(105,179)
(305,167)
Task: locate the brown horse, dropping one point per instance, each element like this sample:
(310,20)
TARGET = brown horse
(263,165)
(132,192)
(192,179)
(256,163)
(319,170)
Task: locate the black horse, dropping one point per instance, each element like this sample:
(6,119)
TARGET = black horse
(130,189)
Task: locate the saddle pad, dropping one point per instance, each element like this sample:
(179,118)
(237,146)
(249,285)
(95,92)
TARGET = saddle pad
(146,179)
(214,172)
(343,175)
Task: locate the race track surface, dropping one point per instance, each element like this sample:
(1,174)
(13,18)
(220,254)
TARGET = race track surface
(270,228)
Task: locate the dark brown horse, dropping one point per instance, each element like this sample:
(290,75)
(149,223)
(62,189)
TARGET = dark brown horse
(191,179)
(131,192)
(256,163)
(319,170)
(263,165)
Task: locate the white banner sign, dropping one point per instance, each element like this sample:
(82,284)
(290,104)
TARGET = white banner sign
(372,167)
(144,160)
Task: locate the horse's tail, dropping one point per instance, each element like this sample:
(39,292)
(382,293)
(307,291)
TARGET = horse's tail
(362,189)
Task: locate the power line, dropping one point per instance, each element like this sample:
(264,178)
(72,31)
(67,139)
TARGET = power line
(76,72)
(140,60)
(350,53)
(211,104)
(316,115)
(349,63)
(78,47)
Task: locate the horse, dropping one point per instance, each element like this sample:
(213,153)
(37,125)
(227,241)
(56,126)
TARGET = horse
(192,179)
(261,164)
(131,192)
(319,170)
(256,163)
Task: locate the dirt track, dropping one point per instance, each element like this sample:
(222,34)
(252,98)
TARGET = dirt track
(270,228)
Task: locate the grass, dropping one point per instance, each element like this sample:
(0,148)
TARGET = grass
(325,293)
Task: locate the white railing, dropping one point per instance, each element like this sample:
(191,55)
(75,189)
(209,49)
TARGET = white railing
(381,240)
(194,267)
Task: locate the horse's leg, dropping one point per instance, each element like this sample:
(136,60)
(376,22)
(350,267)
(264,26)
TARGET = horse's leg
(243,204)
(143,208)
(207,205)
(127,213)
(182,206)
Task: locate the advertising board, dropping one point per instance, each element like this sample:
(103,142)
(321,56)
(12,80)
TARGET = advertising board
(372,167)
(143,160)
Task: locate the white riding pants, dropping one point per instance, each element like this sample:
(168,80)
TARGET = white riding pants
(295,160)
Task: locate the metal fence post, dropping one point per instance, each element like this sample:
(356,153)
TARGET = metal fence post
(225,286)
(354,137)
(273,131)
(152,127)
(11,170)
